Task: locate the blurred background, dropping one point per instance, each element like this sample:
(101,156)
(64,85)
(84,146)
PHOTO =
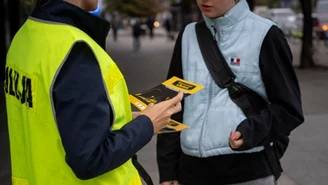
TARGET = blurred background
(141,42)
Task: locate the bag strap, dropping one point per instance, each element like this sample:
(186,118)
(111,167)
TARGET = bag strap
(224,78)
(219,69)
(141,170)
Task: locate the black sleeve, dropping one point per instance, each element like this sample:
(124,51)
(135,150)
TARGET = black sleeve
(168,145)
(84,118)
(284,113)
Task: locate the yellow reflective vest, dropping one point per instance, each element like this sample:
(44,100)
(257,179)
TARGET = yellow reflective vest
(35,57)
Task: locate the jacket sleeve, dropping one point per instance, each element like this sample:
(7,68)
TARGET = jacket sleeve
(168,145)
(284,113)
(84,118)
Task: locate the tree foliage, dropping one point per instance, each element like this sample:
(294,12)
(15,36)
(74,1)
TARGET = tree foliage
(135,8)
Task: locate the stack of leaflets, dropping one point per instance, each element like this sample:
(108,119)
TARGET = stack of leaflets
(162,92)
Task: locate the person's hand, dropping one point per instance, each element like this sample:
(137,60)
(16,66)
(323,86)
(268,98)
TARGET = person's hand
(161,113)
(170,183)
(235,140)
(135,114)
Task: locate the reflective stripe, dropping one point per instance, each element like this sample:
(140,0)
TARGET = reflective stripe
(53,83)
(47,22)
(18,181)
(135,180)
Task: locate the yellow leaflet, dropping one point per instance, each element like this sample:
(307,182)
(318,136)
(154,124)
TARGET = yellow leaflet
(182,85)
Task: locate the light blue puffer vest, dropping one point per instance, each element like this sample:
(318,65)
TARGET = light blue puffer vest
(210,113)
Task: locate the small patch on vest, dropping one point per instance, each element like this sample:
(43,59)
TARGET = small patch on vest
(19,86)
(235,61)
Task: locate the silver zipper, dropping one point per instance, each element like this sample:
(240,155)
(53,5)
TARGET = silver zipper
(215,32)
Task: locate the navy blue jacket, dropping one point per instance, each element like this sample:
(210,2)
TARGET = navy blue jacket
(83,112)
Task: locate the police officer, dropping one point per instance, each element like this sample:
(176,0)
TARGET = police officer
(69,116)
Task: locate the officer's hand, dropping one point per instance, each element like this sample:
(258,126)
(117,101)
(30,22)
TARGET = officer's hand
(135,114)
(170,183)
(235,140)
(161,113)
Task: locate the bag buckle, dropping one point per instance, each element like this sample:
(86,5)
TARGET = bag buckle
(234,89)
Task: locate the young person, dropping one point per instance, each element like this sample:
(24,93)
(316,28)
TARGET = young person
(222,146)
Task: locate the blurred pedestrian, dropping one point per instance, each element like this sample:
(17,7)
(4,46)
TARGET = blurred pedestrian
(150,24)
(114,25)
(168,28)
(136,33)
(112,18)
(167,23)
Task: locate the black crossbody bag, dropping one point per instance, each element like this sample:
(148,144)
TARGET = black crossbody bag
(249,101)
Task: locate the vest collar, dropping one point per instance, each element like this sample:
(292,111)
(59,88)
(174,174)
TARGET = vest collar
(237,13)
(62,12)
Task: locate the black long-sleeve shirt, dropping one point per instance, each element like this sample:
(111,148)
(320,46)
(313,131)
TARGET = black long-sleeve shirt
(83,113)
(279,118)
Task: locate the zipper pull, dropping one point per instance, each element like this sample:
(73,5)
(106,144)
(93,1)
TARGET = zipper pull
(215,32)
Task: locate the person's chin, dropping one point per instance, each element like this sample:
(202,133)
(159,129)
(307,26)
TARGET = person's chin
(91,8)
(210,15)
